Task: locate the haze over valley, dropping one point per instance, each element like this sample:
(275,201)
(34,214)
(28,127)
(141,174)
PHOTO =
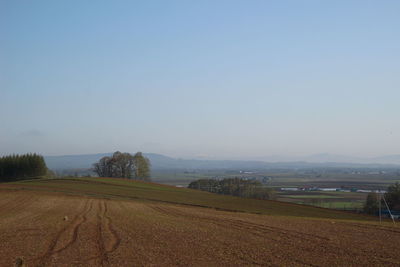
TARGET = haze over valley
(199,133)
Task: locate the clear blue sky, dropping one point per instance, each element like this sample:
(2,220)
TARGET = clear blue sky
(222,79)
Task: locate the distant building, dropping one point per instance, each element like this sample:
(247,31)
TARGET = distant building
(289,189)
(364,191)
(328,189)
(379,191)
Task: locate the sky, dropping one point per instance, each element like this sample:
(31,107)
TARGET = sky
(200,79)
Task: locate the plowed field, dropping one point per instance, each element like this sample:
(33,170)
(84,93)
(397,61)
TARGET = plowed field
(117,232)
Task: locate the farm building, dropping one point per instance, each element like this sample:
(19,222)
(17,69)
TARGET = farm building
(328,189)
(289,189)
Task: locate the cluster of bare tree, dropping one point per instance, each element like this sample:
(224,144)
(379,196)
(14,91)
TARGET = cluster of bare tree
(124,165)
(392,197)
(235,187)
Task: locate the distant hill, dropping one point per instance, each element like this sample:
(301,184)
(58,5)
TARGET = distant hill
(157,161)
(160,162)
(333,158)
(73,161)
(389,159)
(325,157)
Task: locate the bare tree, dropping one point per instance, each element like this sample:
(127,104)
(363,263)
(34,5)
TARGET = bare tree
(124,165)
(142,167)
(104,167)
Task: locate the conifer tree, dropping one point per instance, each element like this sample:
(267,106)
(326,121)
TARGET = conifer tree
(18,167)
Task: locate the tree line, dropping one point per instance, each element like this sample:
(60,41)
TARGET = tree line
(19,167)
(235,187)
(392,197)
(124,165)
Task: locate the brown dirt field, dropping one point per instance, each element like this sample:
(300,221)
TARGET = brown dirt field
(101,232)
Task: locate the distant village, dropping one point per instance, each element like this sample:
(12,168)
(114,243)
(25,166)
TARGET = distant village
(324,189)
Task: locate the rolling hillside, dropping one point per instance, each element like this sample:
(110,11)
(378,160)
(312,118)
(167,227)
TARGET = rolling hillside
(116,222)
(142,191)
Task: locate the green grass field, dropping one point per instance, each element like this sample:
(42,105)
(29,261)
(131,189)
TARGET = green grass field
(312,196)
(341,205)
(141,191)
(332,200)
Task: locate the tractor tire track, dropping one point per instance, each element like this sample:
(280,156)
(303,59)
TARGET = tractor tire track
(71,228)
(75,230)
(115,240)
(102,257)
(105,228)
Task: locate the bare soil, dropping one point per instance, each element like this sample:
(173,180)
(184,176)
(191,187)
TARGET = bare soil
(102,232)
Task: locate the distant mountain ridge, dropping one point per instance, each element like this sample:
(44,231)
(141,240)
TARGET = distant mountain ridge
(159,161)
(325,157)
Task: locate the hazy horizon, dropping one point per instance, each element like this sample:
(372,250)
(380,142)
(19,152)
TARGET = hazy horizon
(209,79)
(310,158)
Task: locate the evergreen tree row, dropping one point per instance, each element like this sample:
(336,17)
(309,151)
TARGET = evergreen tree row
(19,167)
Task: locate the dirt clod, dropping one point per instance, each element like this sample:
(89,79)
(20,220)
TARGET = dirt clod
(19,262)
